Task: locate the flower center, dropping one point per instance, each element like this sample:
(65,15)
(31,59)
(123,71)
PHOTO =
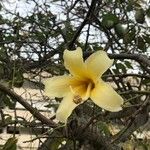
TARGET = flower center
(82,90)
(92,84)
(77,99)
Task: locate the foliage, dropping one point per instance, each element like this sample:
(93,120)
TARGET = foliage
(10,144)
(33,42)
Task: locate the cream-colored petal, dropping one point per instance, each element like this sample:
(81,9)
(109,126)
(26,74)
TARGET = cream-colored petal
(98,63)
(65,108)
(57,86)
(88,91)
(73,61)
(79,90)
(106,97)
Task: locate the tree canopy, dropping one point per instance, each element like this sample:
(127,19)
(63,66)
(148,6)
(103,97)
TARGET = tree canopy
(33,37)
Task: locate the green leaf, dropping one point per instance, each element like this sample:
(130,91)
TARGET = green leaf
(129,37)
(140,43)
(40,36)
(121,1)
(129,7)
(1,6)
(1,20)
(109,20)
(147,38)
(53,143)
(31,19)
(8,102)
(11,144)
(9,38)
(3,53)
(97,47)
(109,1)
(122,67)
(120,30)
(18,79)
(54,106)
(68,30)
(128,64)
(55,0)
(8,119)
(142,146)
(140,16)
(146,81)
(116,71)
(1,70)
(148,12)
(103,127)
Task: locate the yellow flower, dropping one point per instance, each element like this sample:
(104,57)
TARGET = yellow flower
(83,82)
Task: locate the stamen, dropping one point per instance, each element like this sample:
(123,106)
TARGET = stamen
(77,99)
(72,89)
(88,91)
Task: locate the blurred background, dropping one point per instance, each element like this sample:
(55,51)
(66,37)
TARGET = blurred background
(33,36)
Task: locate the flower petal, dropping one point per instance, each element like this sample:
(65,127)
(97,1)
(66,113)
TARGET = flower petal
(57,86)
(65,108)
(98,63)
(73,61)
(106,97)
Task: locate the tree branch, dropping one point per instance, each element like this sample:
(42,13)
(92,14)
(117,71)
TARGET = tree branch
(91,9)
(32,110)
(137,57)
(138,118)
(127,75)
(135,92)
(143,60)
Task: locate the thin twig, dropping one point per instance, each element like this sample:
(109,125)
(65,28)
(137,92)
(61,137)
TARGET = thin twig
(91,9)
(127,75)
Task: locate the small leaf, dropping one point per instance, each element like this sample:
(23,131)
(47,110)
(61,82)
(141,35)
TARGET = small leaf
(129,37)
(121,1)
(104,128)
(141,145)
(140,43)
(116,71)
(1,6)
(129,7)
(18,78)
(128,64)
(8,102)
(122,67)
(109,20)
(140,16)
(54,106)
(8,119)
(147,38)
(148,12)
(120,30)
(1,70)
(10,144)
(146,81)
(97,47)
